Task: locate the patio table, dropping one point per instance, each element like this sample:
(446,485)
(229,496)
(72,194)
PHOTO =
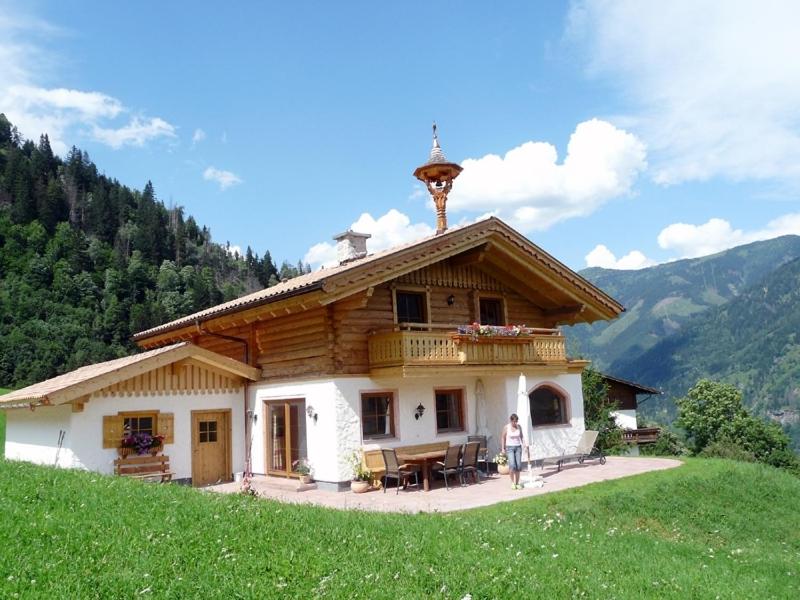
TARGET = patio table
(424,460)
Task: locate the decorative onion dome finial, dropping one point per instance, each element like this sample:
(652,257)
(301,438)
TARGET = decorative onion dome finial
(437,156)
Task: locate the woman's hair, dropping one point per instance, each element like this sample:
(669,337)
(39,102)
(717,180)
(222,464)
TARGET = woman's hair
(514,417)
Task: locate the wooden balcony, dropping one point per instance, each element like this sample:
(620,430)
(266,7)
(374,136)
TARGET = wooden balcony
(435,349)
(643,435)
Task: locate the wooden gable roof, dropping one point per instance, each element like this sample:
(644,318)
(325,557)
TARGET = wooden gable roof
(489,244)
(104,376)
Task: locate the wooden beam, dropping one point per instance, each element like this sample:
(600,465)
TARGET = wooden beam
(79,403)
(474,256)
(565,311)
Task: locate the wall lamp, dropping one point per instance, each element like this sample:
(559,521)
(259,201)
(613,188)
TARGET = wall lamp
(451,300)
(251,414)
(419,411)
(312,414)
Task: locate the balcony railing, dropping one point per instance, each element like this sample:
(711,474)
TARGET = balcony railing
(643,435)
(432,348)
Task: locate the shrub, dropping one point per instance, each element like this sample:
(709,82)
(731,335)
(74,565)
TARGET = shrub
(668,444)
(729,449)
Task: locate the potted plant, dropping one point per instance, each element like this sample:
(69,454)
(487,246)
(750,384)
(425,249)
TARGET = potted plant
(501,459)
(303,468)
(362,477)
(141,444)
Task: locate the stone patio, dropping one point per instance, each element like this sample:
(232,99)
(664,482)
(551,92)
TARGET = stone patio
(490,491)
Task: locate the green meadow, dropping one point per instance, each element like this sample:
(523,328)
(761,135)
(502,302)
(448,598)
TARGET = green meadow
(708,529)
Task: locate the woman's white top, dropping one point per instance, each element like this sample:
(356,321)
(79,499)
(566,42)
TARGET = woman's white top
(513,436)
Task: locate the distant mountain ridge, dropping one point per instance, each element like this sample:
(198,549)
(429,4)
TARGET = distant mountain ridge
(660,300)
(732,316)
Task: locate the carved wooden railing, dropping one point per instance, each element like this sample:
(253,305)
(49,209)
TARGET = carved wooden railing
(400,348)
(643,435)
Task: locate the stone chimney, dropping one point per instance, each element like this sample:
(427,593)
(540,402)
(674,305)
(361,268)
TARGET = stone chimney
(351,246)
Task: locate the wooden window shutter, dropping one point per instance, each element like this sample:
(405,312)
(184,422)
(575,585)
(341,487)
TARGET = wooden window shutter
(165,427)
(112,431)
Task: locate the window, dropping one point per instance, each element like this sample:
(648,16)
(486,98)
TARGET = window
(208,431)
(377,414)
(548,407)
(491,311)
(410,307)
(140,423)
(449,410)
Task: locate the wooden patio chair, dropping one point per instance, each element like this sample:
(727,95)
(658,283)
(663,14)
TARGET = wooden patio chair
(585,449)
(450,466)
(483,451)
(469,462)
(395,470)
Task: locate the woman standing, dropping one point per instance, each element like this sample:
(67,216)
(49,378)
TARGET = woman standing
(511,443)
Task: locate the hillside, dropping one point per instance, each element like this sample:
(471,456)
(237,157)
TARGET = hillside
(86,261)
(661,300)
(752,341)
(709,526)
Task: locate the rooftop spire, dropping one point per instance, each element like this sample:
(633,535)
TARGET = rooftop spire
(438,174)
(437,156)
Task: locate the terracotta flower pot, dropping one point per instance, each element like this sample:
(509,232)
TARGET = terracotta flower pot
(306,479)
(503,469)
(359,487)
(125,452)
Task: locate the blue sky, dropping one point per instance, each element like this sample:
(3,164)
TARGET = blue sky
(609,133)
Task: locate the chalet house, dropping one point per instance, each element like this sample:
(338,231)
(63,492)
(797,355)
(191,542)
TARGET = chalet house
(377,350)
(625,394)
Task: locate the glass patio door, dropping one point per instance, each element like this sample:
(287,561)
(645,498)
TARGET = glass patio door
(286,436)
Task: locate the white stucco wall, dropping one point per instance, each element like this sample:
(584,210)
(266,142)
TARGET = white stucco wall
(625,418)
(337,402)
(33,436)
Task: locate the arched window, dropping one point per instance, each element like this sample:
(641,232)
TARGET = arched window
(548,407)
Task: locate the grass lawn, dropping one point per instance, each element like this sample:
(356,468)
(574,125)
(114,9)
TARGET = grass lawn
(708,529)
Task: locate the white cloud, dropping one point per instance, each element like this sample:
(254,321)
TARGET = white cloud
(717,234)
(532,190)
(601,256)
(225,179)
(135,133)
(234,250)
(198,136)
(63,113)
(391,229)
(714,86)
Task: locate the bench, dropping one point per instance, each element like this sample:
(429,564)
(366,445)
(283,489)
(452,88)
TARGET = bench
(146,468)
(373,459)
(584,450)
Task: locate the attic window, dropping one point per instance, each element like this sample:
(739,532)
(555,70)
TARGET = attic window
(411,307)
(491,311)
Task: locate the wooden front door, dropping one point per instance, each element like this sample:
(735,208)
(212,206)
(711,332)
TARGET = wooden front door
(286,436)
(211,446)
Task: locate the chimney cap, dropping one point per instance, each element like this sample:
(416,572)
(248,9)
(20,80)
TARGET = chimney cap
(351,234)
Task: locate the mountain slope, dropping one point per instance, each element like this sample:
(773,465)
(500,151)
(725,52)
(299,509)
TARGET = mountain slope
(661,300)
(85,261)
(753,342)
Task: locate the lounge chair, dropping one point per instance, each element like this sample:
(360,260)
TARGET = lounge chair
(451,465)
(483,451)
(395,470)
(584,450)
(469,462)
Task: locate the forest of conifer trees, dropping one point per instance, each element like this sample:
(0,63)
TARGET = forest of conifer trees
(86,261)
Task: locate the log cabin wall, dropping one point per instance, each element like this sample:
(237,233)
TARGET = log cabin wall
(623,395)
(333,339)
